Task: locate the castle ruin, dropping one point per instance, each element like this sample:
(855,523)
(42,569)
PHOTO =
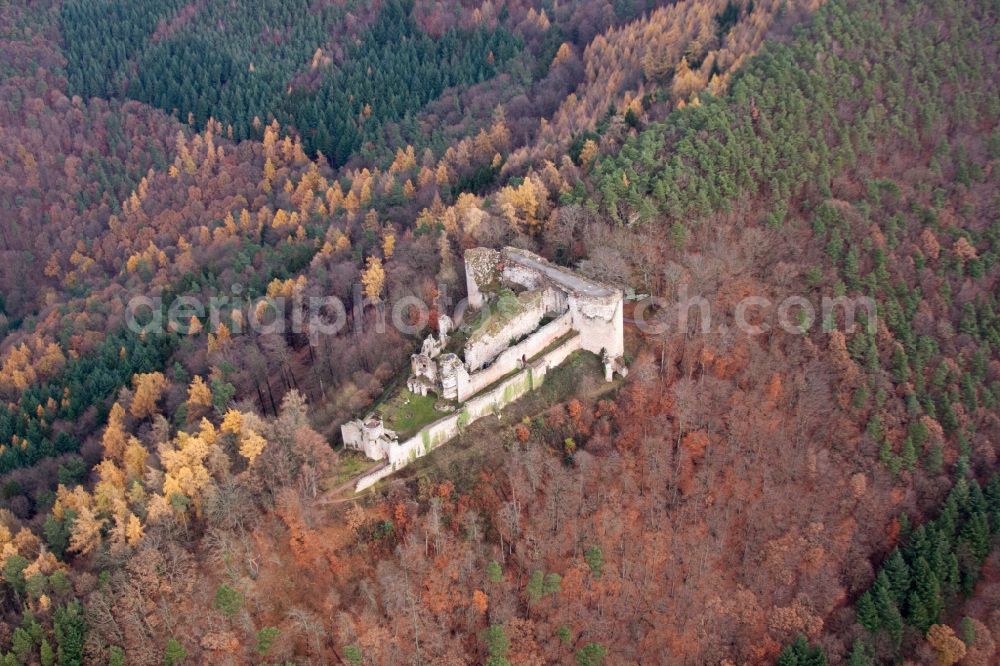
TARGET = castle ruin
(526,316)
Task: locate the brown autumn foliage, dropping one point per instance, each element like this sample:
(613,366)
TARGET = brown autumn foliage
(675,478)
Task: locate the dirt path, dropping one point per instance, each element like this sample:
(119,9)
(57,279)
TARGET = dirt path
(345,491)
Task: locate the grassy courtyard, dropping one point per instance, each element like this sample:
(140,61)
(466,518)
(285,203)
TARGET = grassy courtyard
(407,412)
(350,465)
(482,443)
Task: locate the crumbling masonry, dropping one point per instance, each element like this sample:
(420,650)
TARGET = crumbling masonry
(530,315)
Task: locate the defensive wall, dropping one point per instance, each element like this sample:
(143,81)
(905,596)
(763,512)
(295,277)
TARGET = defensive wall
(488,402)
(511,357)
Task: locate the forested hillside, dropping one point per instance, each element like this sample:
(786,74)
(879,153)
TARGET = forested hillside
(243,63)
(826,495)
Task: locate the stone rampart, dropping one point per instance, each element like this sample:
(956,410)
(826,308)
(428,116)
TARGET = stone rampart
(486,403)
(510,359)
(485,344)
(371,477)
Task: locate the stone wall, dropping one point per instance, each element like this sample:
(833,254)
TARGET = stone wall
(486,403)
(480,273)
(350,432)
(484,345)
(591,318)
(555,357)
(509,359)
(522,275)
(368,435)
(599,320)
(371,477)
(452,374)
(597,308)
(555,300)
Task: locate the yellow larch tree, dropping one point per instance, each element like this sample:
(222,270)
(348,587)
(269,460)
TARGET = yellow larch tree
(351,203)
(281,219)
(69,500)
(270,139)
(232,422)
(287,149)
(373,278)
(133,530)
(251,445)
(114,438)
(207,432)
(134,460)
(365,194)
(190,168)
(564,53)
(268,178)
(245,222)
(442,176)
(483,146)
(148,388)
(948,648)
(388,245)
(49,359)
(425,219)
(185,472)
(425,176)
(219,340)
(109,493)
(86,532)
(334,197)
(588,153)
(447,271)
(306,204)
(199,399)
(687,81)
(404,161)
(525,206)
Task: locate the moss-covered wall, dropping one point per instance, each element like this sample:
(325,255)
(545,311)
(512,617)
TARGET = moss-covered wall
(486,403)
(482,276)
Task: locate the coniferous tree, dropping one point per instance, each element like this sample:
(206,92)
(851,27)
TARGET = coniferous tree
(801,653)
(70,629)
(859,655)
(898,574)
(890,618)
(867,613)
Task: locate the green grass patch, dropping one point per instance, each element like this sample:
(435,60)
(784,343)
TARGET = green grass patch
(407,412)
(555,344)
(351,465)
(480,445)
(565,380)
